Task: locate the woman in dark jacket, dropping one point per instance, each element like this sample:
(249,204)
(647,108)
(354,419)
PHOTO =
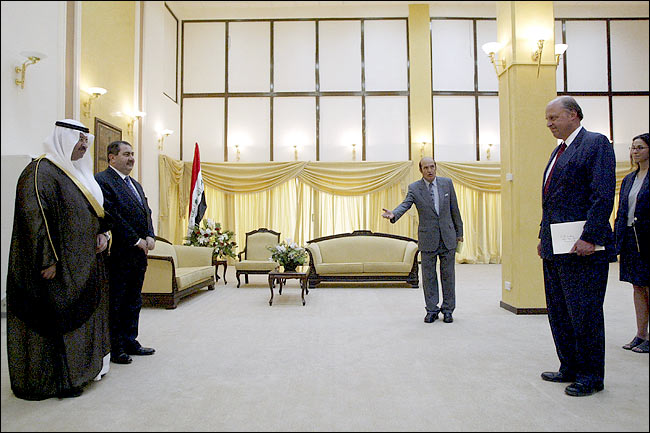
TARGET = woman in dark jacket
(633,237)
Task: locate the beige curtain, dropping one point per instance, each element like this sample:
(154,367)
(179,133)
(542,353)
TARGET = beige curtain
(306,200)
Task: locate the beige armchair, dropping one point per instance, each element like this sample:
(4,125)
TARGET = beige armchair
(257,257)
(176,271)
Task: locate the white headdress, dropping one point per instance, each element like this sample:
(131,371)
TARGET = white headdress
(59,147)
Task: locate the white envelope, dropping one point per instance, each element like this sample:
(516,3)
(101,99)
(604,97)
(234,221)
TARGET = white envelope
(565,235)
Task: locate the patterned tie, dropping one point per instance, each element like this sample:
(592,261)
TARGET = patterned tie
(550,173)
(434,196)
(127,179)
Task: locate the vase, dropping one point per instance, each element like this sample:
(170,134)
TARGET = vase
(290,267)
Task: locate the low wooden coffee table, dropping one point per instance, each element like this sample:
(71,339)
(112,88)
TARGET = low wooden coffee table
(280,277)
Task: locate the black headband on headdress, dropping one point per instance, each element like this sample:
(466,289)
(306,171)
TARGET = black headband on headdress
(71,126)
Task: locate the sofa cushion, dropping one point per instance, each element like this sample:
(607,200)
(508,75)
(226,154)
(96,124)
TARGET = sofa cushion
(186,277)
(339,268)
(355,249)
(256,265)
(387,267)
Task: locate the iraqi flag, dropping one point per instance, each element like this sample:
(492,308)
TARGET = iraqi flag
(197,194)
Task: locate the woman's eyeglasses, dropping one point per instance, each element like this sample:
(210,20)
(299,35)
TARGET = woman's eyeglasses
(639,148)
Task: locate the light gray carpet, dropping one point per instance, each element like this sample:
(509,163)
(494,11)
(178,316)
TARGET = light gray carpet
(352,359)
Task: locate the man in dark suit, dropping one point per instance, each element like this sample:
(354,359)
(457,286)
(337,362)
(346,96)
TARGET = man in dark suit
(578,185)
(133,237)
(439,231)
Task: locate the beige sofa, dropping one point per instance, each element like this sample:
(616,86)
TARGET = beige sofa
(176,271)
(363,256)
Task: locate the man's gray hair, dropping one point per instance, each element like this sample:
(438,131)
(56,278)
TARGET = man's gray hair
(569,103)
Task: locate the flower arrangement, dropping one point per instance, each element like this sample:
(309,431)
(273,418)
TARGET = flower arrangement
(288,254)
(210,234)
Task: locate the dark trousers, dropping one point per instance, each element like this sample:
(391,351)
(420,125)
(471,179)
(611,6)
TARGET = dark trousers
(575,292)
(126,275)
(447,279)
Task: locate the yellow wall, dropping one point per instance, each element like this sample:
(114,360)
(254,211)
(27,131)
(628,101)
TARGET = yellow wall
(420,81)
(107,60)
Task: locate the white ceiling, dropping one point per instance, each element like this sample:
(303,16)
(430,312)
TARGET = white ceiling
(215,9)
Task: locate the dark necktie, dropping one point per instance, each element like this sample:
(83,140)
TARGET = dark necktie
(550,173)
(127,179)
(434,196)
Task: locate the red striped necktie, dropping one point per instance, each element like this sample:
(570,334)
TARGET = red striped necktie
(550,173)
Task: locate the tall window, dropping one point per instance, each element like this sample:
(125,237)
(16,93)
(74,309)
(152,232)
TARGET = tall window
(286,89)
(605,69)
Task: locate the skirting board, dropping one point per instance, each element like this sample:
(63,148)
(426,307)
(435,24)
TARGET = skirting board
(519,311)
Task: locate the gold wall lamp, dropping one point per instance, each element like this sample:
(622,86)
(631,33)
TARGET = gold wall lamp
(94,92)
(32,58)
(163,134)
(491,49)
(537,54)
(559,50)
(137,115)
(354,151)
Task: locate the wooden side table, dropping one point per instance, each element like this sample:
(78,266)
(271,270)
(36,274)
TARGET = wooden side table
(281,279)
(216,263)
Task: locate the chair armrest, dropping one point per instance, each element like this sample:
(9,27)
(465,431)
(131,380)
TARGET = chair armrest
(410,251)
(240,254)
(190,256)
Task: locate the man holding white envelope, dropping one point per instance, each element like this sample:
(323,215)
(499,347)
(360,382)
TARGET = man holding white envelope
(578,187)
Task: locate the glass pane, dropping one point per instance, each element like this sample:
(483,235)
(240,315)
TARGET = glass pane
(486,31)
(249,57)
(630,119)
(595,110)
(387,128)
(340,128)
(489,131)
(385,55)
(559,75)
(169,58)
(629,41)
(586,56)
(340,55)
(294,51)
(294,124)
(203,124)
(248,129)
(452,54)
(454,128)
(204,57)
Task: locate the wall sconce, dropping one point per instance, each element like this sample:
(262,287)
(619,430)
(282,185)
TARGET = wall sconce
(537,54)
(237,151)
(354,151)
(163,134)
(136,116)
(94,92)
(295,152)
(32,58)
(559,50)
(488,152)
(491,48)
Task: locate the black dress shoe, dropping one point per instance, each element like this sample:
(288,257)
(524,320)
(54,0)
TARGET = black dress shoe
(70,393)
(448,318)
(431,317)
(578,389)
(141,351)
(552,376)
(121,358)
